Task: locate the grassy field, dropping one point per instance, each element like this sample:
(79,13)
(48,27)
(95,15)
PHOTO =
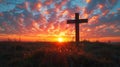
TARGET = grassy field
(53,54)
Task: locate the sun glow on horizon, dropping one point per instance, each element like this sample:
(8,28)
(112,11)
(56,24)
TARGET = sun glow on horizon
(60,39)
(43,38)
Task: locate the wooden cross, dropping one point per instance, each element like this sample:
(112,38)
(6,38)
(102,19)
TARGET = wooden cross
(77,21)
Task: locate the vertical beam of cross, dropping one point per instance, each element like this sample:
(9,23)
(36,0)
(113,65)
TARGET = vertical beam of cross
(77,28)
(76,22)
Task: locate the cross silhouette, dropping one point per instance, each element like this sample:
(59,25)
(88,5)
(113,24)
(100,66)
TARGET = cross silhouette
(77,21)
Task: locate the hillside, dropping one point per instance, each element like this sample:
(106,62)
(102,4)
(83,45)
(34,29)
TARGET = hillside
(53,54)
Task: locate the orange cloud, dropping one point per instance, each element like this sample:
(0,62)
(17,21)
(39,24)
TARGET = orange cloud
(37,6)
(88,1)
(48,2)
(100,6)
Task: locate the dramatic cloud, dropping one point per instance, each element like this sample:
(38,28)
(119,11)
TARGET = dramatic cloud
(48,17)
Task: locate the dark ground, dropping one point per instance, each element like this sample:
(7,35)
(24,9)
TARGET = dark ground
(46,54)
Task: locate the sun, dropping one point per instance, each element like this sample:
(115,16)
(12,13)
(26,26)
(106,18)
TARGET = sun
(60,39)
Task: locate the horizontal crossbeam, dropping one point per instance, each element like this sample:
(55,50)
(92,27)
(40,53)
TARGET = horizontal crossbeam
(77,21)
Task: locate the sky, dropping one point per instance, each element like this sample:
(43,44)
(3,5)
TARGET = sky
(46,20)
